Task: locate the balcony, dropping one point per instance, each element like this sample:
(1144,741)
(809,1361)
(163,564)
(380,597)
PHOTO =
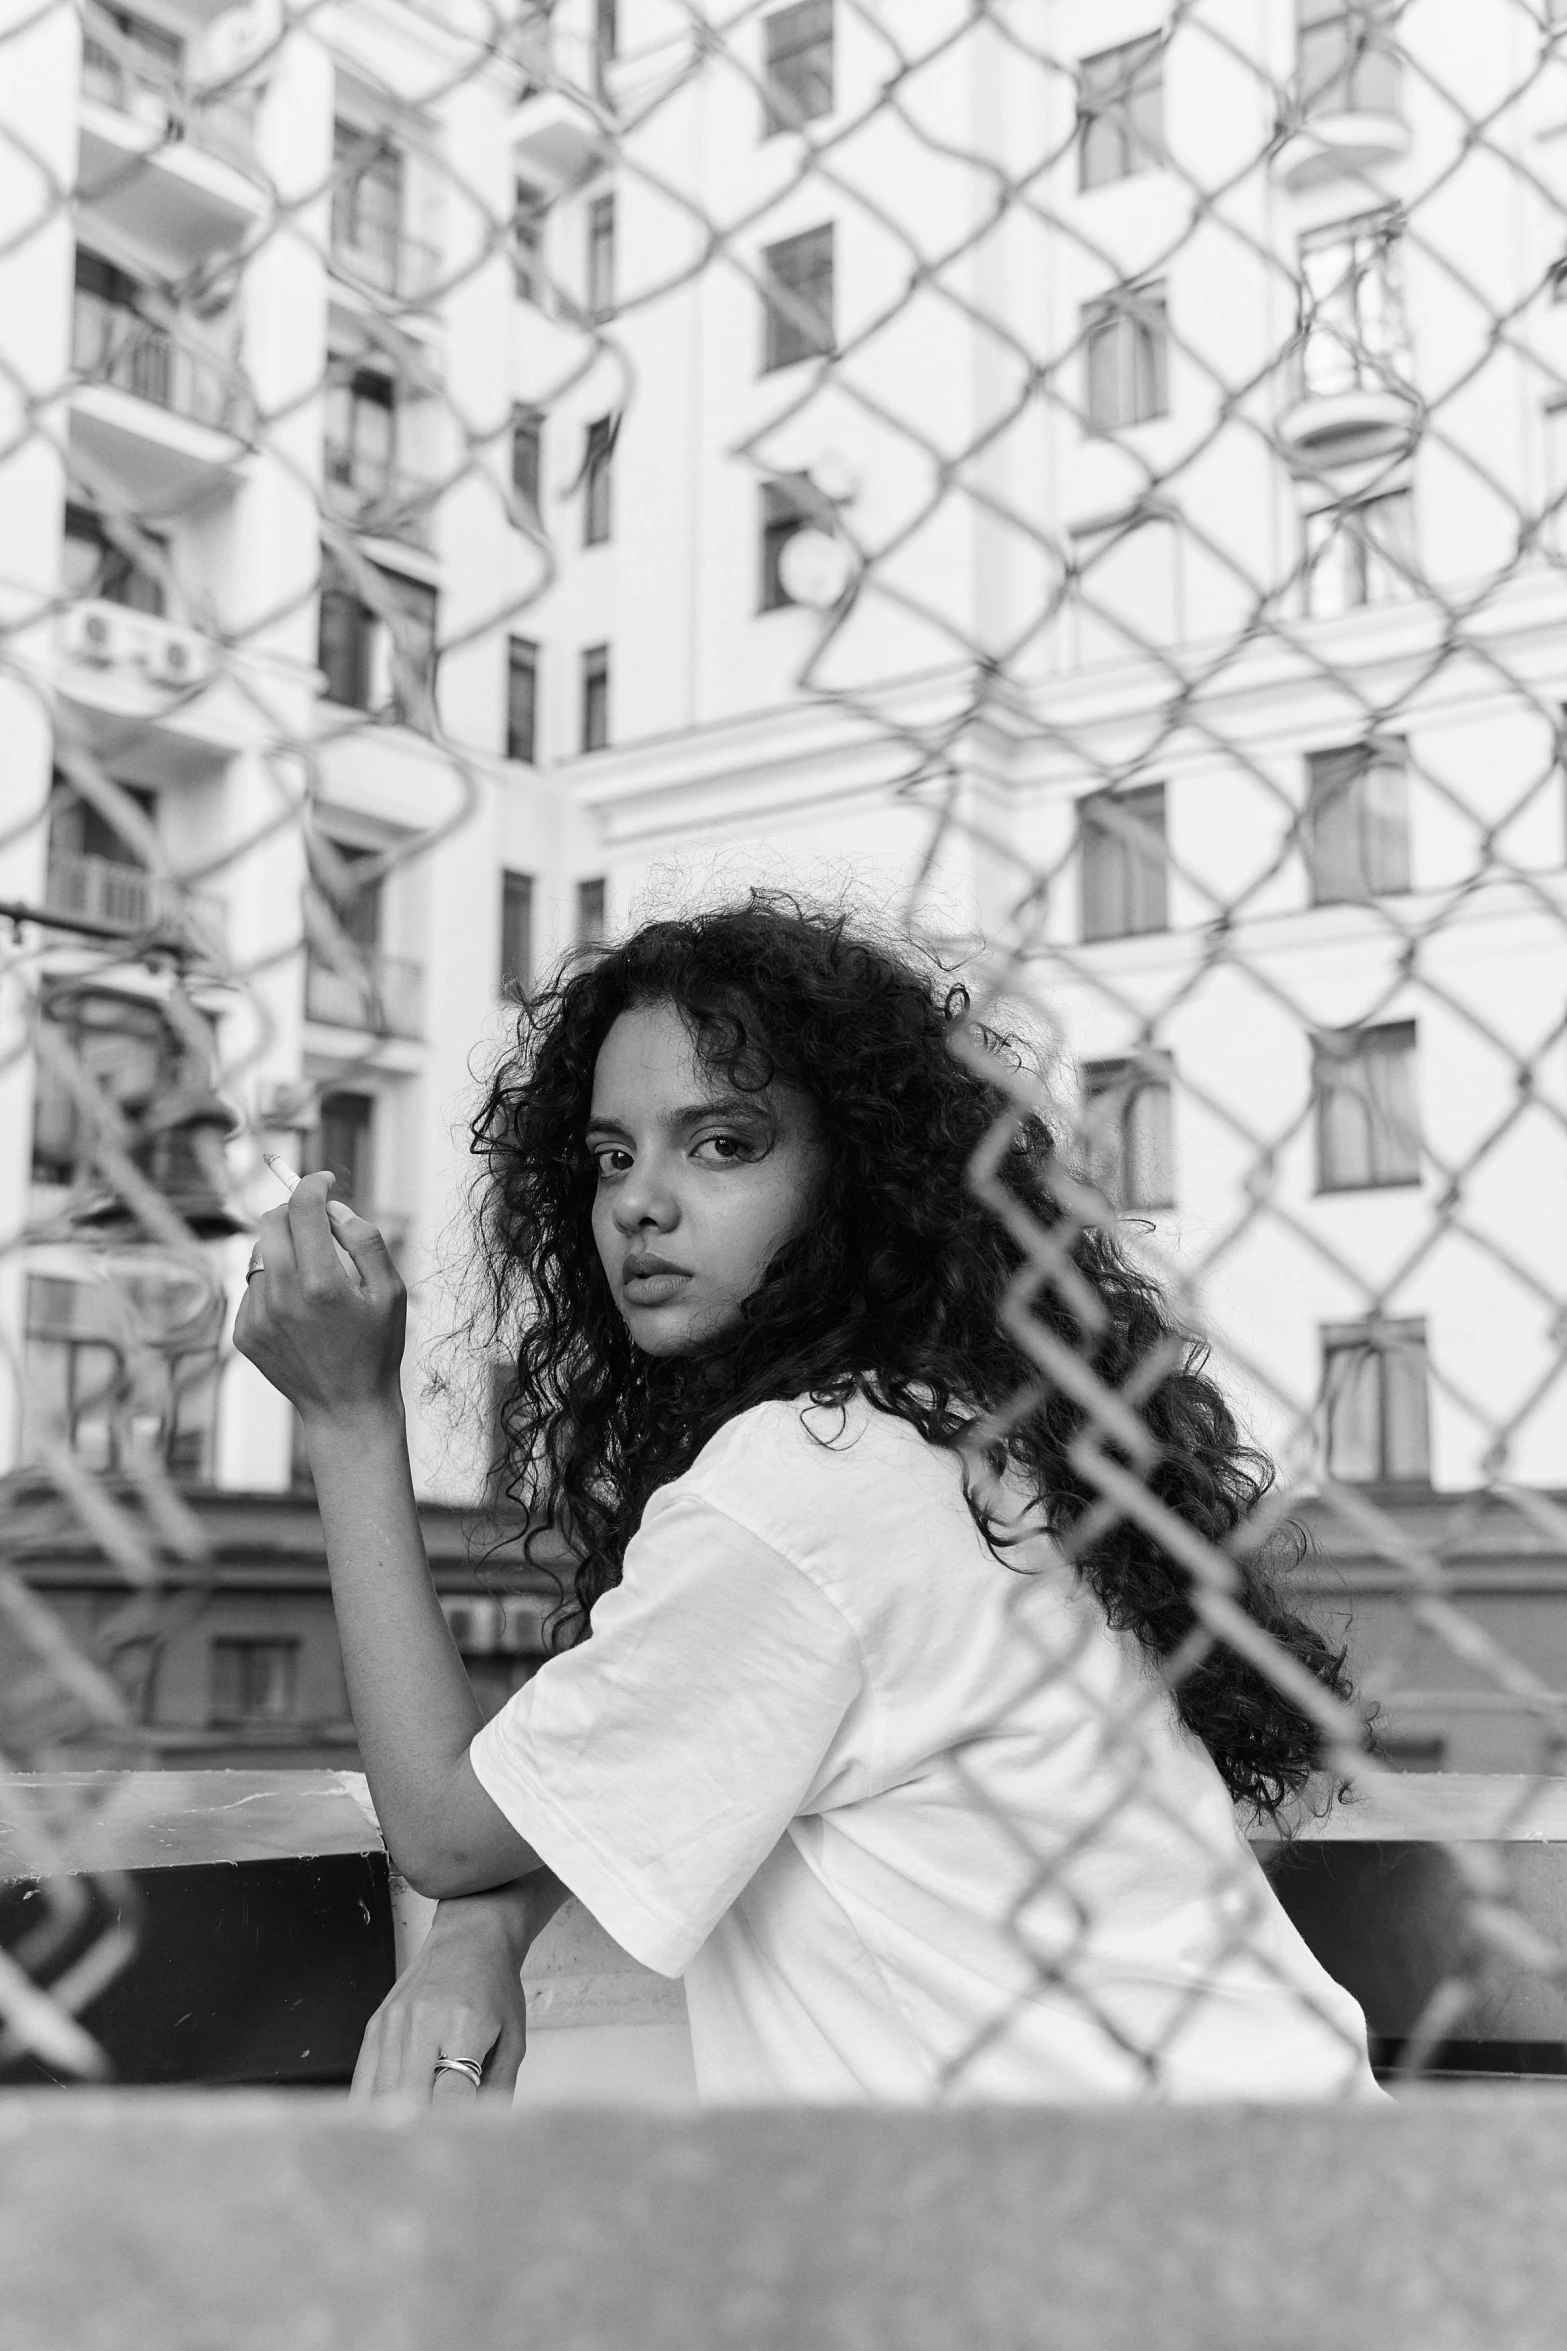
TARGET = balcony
(383,502)
(116,897)
(1345,119)
(139,682)
(383,996)
(1349,394)
(172,164)
(168,420)
(238,1929)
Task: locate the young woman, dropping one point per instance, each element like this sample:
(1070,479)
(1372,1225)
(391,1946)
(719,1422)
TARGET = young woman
(869,1713)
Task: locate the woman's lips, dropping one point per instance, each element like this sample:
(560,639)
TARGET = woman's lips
(652,1289)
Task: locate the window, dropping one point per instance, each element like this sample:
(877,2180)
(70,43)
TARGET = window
(1122,846)
(522,699)
(254,1682)
(601,259)
(344,1143)
(789,505)
(367,204)
(80,1389)
(1375,1405)
(1357,822)
(1411,1750)
(797,288)
(516,931)
(361,429)
(596,480)
(1346,56)
(1120,111)
(527,460)
(595,698)
(591,912)
(1127,1130)
(1352,332)
(343,639)
(529,212)
(1126,352)
(1363,1083)
(125,1046)
(94,564)
(78,829)
(797,65)
(606,45)
(381,659)
(1359,553)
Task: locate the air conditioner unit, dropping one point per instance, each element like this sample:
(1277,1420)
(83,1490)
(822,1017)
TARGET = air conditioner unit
(100,633)
(240,42)
(177,657)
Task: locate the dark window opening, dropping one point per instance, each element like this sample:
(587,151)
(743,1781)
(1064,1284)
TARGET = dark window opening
(797,65)
(522,699)
(598,480)
(595,698)
(516,931)
(592,914)
(798,298)
(527,459)
(1126,348)
(1127,1130)
(1357,822)
(254,1682)
(601,259)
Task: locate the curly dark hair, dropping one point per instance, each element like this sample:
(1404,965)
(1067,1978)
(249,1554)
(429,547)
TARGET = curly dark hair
(903,1287)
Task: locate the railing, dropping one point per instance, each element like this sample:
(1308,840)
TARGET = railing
(385,996)
(127,897)
(111,345)
(384,261)
(382,501)
(143,85)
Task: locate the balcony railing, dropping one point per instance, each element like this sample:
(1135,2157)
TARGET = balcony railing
(143,84)
(112,345)
(128,898)
(383,501)
(385,995)
(382,260)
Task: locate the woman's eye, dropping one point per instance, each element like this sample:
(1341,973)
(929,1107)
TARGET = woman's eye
(610,1160)
(728,1149)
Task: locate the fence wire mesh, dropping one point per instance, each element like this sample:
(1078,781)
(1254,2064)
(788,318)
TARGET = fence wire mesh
(1113,458)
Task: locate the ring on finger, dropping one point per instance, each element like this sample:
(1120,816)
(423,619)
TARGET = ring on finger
(255,1266)
(470,2068)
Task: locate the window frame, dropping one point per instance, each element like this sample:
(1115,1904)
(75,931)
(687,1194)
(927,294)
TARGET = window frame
(1337,1050)
(243,1648)
(519,892)
(1376,1340)
(1113,109)
(1098,842)
(598,480)
(522,660)
(1132,323)
(1338,779)
(800,330)
(600,271)
(594,723)
(1113,1091)
(789,33)
(527,458)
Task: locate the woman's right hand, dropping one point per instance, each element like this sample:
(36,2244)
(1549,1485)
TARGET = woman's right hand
(461,1995)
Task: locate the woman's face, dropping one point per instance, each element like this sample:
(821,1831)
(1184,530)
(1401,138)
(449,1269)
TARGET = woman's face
(698,1186)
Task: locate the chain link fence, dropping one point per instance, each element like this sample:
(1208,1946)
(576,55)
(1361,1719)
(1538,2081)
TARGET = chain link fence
(1114,457)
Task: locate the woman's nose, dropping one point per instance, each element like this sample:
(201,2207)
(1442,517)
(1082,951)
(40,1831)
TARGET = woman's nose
(643,1199)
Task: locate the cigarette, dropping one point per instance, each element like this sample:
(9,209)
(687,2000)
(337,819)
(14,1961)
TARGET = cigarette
(290,1179)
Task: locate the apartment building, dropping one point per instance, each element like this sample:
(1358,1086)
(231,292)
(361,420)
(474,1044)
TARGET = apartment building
(629,464)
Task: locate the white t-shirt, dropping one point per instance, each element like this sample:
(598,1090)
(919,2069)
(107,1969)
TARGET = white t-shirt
(912,1824)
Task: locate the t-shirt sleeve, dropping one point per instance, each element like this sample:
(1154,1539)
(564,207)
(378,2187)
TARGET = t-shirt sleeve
(656,1766)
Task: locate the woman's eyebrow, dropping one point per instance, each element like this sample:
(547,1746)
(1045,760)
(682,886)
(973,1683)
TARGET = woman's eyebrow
(691,1114)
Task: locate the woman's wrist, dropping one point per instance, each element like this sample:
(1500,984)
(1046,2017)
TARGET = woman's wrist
(517,1913)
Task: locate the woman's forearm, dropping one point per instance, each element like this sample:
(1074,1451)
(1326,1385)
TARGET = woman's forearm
(413,1705)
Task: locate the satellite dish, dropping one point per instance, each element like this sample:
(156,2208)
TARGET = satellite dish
(815,569)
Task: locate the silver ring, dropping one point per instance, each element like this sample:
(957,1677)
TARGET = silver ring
(255,1266)
(469,2067)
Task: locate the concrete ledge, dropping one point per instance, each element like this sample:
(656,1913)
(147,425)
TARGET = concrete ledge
(272,2223)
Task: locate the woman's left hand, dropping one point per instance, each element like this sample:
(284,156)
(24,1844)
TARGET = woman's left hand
(332,1345)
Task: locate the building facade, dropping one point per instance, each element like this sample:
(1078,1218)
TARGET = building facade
(471,482)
